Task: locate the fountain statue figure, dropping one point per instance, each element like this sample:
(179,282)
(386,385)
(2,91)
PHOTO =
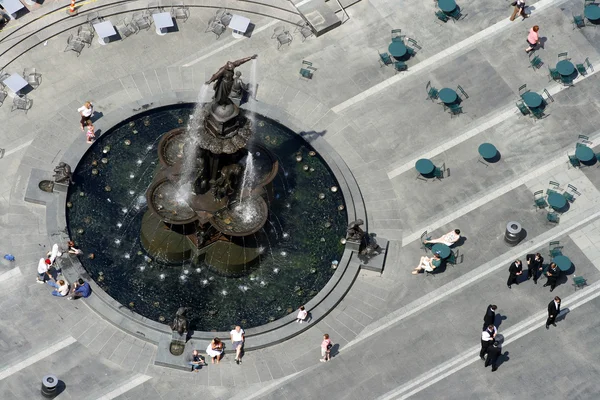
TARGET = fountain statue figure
(63,173)
(223,79)
(354,231)
(180,323)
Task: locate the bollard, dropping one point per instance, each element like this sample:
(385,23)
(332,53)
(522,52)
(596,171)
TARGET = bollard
(513,233)
(49,385)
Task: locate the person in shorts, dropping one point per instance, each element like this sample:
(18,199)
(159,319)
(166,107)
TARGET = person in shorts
(237,340)
(326,348)
(533,39)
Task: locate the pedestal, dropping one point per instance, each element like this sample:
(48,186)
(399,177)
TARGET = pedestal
(353,245)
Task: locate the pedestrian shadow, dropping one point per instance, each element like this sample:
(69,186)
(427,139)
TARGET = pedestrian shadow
(335,350)
(563,314)
(96,116)
(543,41)
(460,242)
(502,359)
(498,320)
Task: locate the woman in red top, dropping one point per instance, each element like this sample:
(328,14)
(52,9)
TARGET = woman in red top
(533,38)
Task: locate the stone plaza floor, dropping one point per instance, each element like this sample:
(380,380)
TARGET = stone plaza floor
(397,335)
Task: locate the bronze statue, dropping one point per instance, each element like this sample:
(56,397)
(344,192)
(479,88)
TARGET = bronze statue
(225,184)
(180,323)
(224,80)
(63,173)
(239,87)
(354,231)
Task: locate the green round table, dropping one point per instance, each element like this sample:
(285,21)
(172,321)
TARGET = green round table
(557,201)
(562,262)
(424,166)
(397,49)
(447,95)
(447,5)
(584,154)
(441,249)
(592,12)
(565,67)
(532,99)
(487,151)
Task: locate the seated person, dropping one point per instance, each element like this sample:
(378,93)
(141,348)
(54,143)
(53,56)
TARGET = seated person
(61,286)
(448,239)
(428,264)
(197,361)
(215,349)
(80,289)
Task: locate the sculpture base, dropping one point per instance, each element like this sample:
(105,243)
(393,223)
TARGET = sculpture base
(376,262)
(353,245)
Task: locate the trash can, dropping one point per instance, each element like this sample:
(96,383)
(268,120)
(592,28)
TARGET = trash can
(513,233)
(49,385)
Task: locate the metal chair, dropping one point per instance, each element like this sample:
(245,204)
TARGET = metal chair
(304,29)
(453,257)
(535,62)
(385,59)
(425,246)
(574,161)
(224,16)
(432,93)
(441,16)
(85,34)
(555,187)
(547,96)
(215,27)
(284,38)
(397,35)
(455,14)
(579,282)
(413,43)
(33,78)
(578,21)
(74,44)
(126,29)
(462,91)
(563,56)
(522,89)
(539,200)
(583,67)
(438,172)
(571,196)
(399,66)
(141,20)
(3,95)
(553,74)
(566,80)
(306,71)
(537,113)
(523,108)
(180,11)
(94,18)
(455,110)
(154,7)
(554,249)
(553,217)
(21,103)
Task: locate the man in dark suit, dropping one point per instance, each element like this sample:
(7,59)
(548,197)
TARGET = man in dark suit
(493,352)
(534,264)
(515,269)
(552,274)
(487,339)
(490,316)
(553,310)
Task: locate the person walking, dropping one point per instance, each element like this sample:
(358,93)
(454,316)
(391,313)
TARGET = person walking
(519,9)
(553,310)
(493,353)
(89,132)
(487,339)
(534,264)
(514,271)
(552,274)
(490,316)
(533,39)
(86,111)
(326,346)
(237,341)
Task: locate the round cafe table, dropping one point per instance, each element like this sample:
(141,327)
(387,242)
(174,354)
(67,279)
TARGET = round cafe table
(447,5)
(532,99)
(565,67)
(592,12)
(397,49)
(487,151)
(557,201)
(441,249)
(424,166)
(562,262)
(584,154)
(447,95)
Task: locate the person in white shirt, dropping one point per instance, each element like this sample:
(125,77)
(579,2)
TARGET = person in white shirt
(86,111)
(62,287)
(42,270)
(448,239)
(487,339)
(237,340)
(302,314)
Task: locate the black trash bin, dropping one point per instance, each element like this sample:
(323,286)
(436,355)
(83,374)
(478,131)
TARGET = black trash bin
(49,386)
(513,233)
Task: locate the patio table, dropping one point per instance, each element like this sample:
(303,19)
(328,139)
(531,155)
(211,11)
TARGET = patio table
(11,6)
(239,25)
(162,21)
(104,30)
(584,154)
(532,99)
(557,200)
(565,67)
(592,12)
(447,95)
(562,262)
(424,166)
(487,151)
(397,49)
(441,249)
(447,5)
(15,82)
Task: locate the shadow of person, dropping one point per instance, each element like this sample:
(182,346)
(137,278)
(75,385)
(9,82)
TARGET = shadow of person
(498,320)
(542,43)
(96,116)
(460,242)
(308,318)
(563,314)
(502,358)
(335,350)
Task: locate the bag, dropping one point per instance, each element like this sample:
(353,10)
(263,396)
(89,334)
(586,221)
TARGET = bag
(329,346)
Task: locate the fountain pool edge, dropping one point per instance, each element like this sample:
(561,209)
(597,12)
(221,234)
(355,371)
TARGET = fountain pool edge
(258,337)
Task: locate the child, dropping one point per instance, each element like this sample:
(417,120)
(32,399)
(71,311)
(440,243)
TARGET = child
(90,131)
(73,249)
(302,313)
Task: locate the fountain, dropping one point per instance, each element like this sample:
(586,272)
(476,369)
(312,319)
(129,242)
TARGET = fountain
(204,192)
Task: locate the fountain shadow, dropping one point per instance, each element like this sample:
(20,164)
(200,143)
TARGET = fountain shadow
(312,135)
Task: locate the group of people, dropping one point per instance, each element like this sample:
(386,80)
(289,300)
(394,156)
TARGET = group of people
(216,348)
(429,264)
(535,264)
(86,112)
(48,271)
